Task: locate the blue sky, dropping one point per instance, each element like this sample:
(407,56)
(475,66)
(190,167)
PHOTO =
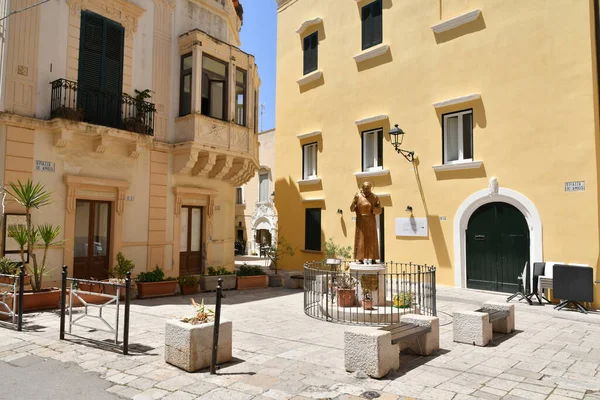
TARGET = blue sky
(259,38)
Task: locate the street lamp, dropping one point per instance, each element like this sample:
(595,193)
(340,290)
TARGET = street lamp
(397,136)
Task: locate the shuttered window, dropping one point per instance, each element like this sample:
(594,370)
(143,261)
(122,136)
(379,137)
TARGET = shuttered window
(372,150)
(311,53)
(100,76)
(372,24)
(312,235)
(185,85)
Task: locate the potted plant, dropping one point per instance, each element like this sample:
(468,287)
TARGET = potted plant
(369,284)
(251,277)
(118,275)
(276,254)
(345,289)
(29,238)
(9,267)
(153,284)
(335,251)
(188,284)
(209,282)
(403,300)
(189,341)
(137,123)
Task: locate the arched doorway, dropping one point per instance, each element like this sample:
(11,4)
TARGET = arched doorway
(497,241)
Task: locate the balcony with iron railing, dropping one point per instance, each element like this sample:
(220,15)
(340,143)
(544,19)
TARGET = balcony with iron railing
(75,103)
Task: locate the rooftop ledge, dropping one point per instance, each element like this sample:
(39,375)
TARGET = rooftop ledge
(455,166)
(456,21)
(370,174)
(310,77)
(371,53)
(311,181)
(457,100)
(369,120)
(308,135)
(307,24)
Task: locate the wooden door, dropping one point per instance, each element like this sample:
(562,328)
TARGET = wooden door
(497,247)
(191,261)
(92,239)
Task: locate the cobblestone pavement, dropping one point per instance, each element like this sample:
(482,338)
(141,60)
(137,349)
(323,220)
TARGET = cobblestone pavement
(279,353)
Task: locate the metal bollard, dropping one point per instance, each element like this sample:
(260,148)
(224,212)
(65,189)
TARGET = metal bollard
(127,305)
(63,302)
(215,349)
(21,297)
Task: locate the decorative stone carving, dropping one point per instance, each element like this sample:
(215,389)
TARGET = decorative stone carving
(222,167)
(101,143)
(62,137)
(266,212)
(134,150)
(205,164)
(71,199)
(121,194)
(122,11)
(494,186)
(166,3)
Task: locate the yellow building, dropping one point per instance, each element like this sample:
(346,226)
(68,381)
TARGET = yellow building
(151,174)
(498,102)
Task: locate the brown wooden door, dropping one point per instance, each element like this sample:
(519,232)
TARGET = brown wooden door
(190,247)
(92,239)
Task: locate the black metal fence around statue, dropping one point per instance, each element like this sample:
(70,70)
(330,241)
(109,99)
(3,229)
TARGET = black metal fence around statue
(368,294)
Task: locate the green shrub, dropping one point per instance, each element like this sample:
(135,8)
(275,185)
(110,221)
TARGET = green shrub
(219,271)
(250,270)
(188,280)
(8,266)
(123,266)
(157,275)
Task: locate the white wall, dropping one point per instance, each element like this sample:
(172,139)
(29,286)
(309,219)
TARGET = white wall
(54,29)
(143,47)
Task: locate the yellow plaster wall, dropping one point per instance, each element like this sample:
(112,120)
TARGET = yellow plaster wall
(163,32)
(534,127)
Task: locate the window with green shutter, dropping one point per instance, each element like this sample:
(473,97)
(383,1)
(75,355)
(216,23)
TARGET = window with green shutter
(372,24)
(100,78)
(311,53)
(312,233)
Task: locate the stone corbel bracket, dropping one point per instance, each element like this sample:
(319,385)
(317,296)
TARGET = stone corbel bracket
(62,137)
(134,150)
(101,143)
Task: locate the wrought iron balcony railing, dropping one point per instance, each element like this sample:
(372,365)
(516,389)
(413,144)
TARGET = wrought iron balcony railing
(71,101)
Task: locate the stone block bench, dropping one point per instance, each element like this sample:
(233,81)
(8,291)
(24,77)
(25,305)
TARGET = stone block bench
(477,327)
(376,351)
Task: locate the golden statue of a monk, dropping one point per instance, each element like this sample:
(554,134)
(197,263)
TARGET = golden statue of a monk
(366,205)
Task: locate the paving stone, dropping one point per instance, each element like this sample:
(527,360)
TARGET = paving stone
(175,383)
(151,394)
(225,394)
(161,374)
(179,395)
(199,388)
(407,389)
(436,394)
(121,378)
(128,393)
(246,388)
(278,394)
(142,383)
(116,388)
(568,393)
(290,386)
(526,394)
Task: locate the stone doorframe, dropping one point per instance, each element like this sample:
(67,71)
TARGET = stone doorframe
(188,196)
(83,188)
(492,195)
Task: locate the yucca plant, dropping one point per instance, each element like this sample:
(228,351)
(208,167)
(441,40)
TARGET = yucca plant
(43,236)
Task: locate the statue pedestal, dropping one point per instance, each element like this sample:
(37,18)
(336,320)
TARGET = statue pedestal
(357,270)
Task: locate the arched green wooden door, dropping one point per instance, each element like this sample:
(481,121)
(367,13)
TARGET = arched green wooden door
(497,247)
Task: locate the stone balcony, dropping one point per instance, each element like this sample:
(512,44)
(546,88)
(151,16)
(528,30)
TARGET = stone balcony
(215,149)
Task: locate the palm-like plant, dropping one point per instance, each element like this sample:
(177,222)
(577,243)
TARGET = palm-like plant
(31,196)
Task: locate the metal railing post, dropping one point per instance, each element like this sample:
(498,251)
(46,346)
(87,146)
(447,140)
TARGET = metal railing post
(126,319)
(63,302)
(21,299)
(215,349)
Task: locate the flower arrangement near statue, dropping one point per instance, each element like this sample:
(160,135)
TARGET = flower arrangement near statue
(369,284)
(345,285)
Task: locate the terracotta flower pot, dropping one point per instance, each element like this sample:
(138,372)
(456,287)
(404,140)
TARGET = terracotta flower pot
(5,279)
(47,299)
(188,289)
(367,304)
(91,287)
(346,297)
(112,290)
(148,290)
(252,282)
(88,298)
(209,283)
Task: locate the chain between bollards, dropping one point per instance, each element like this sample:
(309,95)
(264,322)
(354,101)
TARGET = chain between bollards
(63,302)
(215,348)
(21,297)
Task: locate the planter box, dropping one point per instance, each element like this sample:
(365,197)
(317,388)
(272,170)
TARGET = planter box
(48,299)
(209,283)
(252,282)
(188,289)
(4,279)
(148,290)
(88,298)
(275,280)
(189,347)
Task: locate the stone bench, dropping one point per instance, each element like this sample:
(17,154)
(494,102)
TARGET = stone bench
(376,351)
(477,327)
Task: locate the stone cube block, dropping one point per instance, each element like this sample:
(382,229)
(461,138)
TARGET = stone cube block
(504,325)
(189,347)
(371,351)
(472,327)
(427,343)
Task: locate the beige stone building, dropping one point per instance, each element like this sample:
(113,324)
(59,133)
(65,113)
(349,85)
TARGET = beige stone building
(255,213)
(140,117)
